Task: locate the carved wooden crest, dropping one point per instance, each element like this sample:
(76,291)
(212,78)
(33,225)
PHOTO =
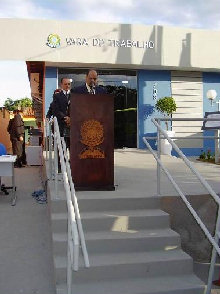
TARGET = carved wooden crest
(92,135)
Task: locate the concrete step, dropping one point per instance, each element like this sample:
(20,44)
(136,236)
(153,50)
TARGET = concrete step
(129,241)
(113,203)
(99,203)
(122,220)
(56,202)
(127,265)
(60,189)
(58,206)
(183,284)
(59,222)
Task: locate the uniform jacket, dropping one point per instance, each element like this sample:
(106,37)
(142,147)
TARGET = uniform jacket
(83,90)
(60,109)
(16,127)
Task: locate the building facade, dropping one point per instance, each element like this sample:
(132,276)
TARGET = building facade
(138,64)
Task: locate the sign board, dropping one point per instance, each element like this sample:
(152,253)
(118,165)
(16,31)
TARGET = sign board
(213,124)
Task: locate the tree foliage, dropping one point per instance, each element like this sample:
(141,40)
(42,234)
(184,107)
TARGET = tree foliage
(11,105)
(166,106)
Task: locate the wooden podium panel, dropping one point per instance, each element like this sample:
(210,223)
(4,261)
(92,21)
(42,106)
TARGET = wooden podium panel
(92,141)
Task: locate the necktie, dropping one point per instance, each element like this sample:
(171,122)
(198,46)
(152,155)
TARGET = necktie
(92,91)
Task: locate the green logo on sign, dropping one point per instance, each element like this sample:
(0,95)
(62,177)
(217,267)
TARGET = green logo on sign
(53,41)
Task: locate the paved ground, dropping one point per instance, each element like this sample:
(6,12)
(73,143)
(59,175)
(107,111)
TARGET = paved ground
(136,170)
(25,254)
(25,246)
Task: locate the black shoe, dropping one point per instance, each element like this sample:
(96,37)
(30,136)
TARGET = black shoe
(17,165)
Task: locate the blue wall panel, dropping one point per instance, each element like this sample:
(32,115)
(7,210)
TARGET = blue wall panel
(147,80)
(211,81)
(50,85)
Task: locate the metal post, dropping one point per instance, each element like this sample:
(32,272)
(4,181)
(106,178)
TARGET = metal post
(55,163)
(69,259)
(76,208)
(214,253)
(46,124)
(217,143)
(158,154)
(217,146)
(14,196)
(50,151)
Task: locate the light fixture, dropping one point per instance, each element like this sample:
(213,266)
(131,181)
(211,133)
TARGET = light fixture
(211,95)
(124,82)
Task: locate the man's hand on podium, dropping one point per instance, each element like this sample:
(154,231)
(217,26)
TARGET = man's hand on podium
(57,91)
(67,120)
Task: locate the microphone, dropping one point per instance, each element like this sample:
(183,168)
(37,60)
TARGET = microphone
(92,88)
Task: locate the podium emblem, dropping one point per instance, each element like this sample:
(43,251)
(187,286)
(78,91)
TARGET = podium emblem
(92,135)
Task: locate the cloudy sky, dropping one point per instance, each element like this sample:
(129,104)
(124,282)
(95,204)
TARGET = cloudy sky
(183,13)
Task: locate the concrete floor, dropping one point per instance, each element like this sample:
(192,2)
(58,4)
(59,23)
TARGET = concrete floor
(136,170)
(25,256)
(25,245)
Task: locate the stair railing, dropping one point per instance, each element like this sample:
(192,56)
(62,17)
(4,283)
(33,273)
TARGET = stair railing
(76,207)
(48,139)
(75,231)
(214,241)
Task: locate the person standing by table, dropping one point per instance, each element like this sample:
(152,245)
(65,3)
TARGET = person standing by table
(16,131)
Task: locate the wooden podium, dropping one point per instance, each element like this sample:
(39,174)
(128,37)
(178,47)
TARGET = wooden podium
(92,141)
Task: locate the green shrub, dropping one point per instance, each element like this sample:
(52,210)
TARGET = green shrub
(166,106)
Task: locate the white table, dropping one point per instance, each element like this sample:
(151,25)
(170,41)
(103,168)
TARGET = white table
(7,170)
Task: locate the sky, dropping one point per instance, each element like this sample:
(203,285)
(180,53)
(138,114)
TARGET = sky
(181,13)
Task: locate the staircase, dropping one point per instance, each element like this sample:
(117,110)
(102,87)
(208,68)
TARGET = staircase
(131,247)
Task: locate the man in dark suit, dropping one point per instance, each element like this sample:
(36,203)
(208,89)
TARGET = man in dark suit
(60,105)
(50,111)
(16,131)
(60,108)
(91,86)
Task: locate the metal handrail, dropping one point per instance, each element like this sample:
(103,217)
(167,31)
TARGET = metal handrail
(73,237)
(188,163)
(70,206)
(48,144)
(75,204)
(193,212)
(213,241)
(75,231)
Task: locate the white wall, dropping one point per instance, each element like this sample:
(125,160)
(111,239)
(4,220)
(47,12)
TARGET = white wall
(180,48)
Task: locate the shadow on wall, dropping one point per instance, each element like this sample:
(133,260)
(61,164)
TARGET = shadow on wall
(124,56)
(146,111)
(185,58)
(151,56)
(154,57)
(193,240)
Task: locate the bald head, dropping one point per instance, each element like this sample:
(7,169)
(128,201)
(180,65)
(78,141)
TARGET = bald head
(91,77)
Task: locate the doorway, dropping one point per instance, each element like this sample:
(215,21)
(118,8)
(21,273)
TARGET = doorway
(123,85)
